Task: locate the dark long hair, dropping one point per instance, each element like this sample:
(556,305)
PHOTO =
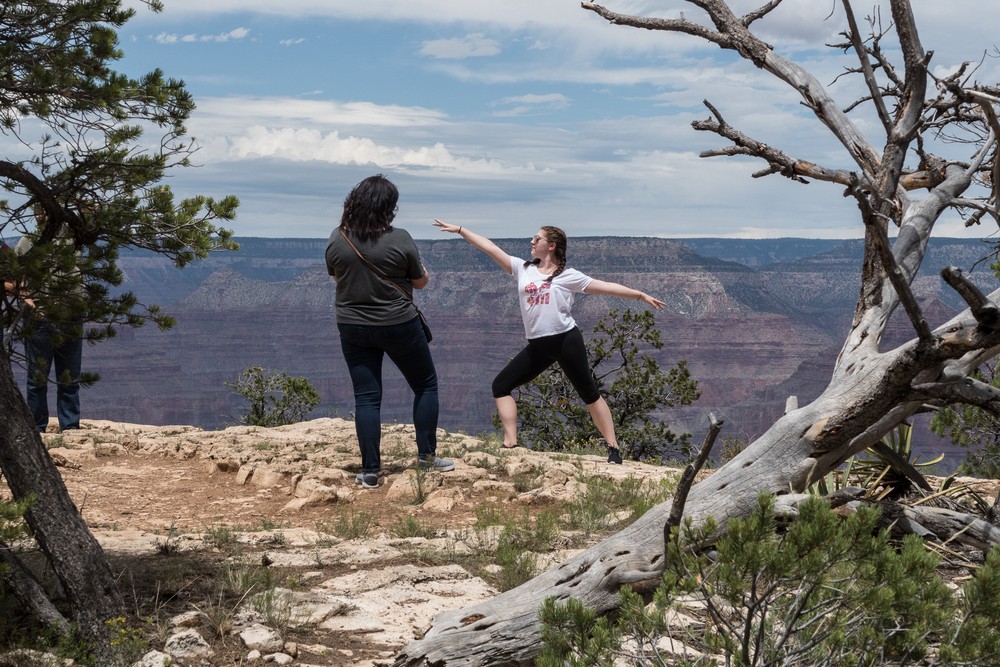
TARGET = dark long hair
(557,236)
(370,208)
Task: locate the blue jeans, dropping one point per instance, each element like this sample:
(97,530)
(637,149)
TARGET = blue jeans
(365,346)
(41,349)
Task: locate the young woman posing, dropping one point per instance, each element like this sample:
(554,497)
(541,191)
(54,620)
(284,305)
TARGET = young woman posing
(546,289)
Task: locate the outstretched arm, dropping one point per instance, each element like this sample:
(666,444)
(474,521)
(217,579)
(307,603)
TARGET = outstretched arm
(479,242)
(622,292)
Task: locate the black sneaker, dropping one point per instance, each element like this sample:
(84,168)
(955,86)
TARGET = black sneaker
(614,455)
(369,480)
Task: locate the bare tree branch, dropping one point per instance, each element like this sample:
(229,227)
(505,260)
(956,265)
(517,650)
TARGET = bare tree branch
(968,390)
(687,479)
(985,312)
(900,281)
(781,163)
(760,12)
(866,67)
(901,465)
(673,25)
(986,103)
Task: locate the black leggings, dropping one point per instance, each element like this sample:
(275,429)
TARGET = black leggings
(568,349)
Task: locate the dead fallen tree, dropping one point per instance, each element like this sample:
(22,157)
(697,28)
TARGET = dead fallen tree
(871,389)
(505,629)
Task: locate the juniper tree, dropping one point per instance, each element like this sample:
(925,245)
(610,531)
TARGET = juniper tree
(274,398)
(86,148)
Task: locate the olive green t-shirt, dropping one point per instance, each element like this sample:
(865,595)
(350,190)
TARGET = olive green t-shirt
(364,297)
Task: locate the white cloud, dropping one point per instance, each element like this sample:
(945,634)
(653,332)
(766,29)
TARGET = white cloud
(343,133)
(304,145)
(524,104)
(235,34)
(556,100)
(470,46)
(220,112)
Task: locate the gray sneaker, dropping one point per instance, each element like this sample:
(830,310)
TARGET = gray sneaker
(359,478)
(369,480)
(437,463)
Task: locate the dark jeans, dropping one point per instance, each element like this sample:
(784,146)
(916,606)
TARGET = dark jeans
(567,349)
(41,349)
(364,348)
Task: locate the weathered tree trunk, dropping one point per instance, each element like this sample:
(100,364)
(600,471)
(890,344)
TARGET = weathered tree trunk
(74,554)
(505,630)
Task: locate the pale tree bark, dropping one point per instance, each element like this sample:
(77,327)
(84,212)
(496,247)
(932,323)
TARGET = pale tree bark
(57,525)
(871,389)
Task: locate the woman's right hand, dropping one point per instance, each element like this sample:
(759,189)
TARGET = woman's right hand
(480,242)
(445,227)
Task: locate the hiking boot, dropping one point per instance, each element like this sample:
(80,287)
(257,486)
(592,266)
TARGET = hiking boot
(436,463)
(369,480)
(614,455)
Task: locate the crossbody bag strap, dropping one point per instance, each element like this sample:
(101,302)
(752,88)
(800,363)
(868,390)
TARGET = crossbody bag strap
(377,271)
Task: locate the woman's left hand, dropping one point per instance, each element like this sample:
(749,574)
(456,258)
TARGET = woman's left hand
(445,227)
(652,301)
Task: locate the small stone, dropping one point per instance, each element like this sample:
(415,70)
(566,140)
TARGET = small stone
(154,659)
(188,644)
(190,619)
(262,638)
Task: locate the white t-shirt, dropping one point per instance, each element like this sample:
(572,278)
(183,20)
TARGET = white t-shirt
(546,306)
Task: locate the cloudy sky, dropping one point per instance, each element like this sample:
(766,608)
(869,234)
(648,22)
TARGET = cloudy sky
(504,115)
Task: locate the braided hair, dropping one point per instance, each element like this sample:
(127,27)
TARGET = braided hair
(370,208)
(558,237)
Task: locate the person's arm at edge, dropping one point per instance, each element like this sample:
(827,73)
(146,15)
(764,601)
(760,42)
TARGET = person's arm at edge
(421,282)
(615,289)
(9,286)
(479,242)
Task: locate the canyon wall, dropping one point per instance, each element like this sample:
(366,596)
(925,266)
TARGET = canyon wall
(756,321)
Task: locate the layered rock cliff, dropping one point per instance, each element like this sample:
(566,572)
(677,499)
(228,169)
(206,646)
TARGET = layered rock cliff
(753,331)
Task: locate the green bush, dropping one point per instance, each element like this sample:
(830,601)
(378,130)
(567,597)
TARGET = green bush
(826,592)
(273,398)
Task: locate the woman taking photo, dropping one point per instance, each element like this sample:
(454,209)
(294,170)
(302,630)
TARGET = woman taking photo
(546,289)
(376,267)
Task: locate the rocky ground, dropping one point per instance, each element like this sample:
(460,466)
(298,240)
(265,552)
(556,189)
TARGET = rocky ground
(254,545)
